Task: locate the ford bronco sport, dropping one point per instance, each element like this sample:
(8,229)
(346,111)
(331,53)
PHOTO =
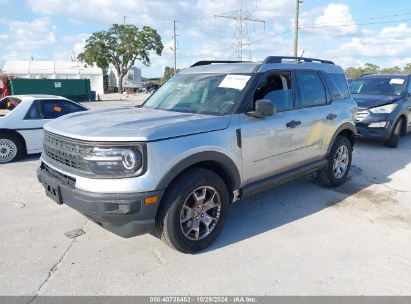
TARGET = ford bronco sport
(216,132)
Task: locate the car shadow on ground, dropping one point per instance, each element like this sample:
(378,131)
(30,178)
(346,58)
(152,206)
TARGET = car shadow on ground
(288,202)
(28,158)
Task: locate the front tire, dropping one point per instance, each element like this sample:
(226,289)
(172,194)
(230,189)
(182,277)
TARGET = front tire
(338,163)
(10,148)
(193,210)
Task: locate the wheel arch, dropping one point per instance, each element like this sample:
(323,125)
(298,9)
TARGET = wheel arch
(347,130)
(18,135)
(217,162)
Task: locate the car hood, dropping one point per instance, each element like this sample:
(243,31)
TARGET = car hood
(134,124)
(370,101)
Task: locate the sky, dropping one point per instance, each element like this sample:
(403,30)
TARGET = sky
(351,32)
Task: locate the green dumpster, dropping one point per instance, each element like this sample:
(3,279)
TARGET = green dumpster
(74,89)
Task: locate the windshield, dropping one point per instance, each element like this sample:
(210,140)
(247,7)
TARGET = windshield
(389,86)
(213,94)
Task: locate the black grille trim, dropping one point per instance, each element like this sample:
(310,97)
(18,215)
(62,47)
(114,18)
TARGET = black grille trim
(65,151)
(65,179)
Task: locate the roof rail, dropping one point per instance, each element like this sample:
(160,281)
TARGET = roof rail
(206,62)
(279,59)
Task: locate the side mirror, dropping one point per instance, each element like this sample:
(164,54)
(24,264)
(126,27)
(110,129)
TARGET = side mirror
(263,107)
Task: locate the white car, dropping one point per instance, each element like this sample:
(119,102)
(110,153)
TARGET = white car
(22,118)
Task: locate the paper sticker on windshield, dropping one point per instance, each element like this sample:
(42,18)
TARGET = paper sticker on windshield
(397,81)
(234,82)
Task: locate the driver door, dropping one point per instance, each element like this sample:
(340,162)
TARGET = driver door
(273,144)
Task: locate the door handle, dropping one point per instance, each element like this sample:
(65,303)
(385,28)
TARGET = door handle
(293,123)
(331,116)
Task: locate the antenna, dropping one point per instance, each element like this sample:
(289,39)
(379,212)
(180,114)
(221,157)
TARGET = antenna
(241,39)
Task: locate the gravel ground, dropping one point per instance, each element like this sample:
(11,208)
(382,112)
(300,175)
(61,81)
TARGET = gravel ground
(297,239)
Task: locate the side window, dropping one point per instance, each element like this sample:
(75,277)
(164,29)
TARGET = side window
(341,83)
(310,89)
(409,85)
(33,112)
(335,92)
(55,108)
(69,107)
(277,88)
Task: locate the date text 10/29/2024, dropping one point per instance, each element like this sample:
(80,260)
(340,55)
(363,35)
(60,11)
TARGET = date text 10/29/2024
(203,299)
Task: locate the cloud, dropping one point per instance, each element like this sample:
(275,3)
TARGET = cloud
(392,41)
(198,28)
(28,35)
(335,21)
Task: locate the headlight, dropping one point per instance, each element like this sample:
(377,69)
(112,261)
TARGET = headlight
(384,109)
(114,161)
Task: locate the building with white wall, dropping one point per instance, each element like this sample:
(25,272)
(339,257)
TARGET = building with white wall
(55,70)
(132,80)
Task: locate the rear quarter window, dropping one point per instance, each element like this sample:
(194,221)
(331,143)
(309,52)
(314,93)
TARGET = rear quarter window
(55,108)
(341,83)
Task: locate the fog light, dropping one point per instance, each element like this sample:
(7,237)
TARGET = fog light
(116,208)
(123,208)
(380,124)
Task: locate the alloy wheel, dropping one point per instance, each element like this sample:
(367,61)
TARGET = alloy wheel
(341,159)
(200,213)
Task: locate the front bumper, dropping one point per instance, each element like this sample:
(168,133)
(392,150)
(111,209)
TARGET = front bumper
(102,207)
(374,133)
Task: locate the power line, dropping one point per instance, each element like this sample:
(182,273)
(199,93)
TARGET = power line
(354,24)
(328,26)
(242,17)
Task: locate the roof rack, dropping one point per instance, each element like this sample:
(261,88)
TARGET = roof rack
(279,59)
(206,62)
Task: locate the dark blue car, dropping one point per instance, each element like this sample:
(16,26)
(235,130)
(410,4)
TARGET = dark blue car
(384,106)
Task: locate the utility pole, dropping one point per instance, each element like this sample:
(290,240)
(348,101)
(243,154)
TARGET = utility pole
(175,47)
(241,16)
(297,13)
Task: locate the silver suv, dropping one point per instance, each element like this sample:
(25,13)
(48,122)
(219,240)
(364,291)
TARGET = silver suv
(216,132)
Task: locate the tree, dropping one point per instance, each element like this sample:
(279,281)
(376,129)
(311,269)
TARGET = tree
(393,70)
(370,68)
(169,72)
(352,72)
(407,68)
(121,46)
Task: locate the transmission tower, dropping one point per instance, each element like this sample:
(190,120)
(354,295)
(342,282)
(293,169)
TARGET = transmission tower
(241,17)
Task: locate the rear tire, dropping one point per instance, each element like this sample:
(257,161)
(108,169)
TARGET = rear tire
(193,210)
(392,141)
(11,148)
(338,163)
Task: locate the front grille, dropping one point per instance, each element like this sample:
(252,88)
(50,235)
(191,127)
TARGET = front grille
(65,179)
(361,114)
(65,151)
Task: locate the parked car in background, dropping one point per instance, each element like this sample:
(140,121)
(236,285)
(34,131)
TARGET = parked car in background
(21,122)
(384,106)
